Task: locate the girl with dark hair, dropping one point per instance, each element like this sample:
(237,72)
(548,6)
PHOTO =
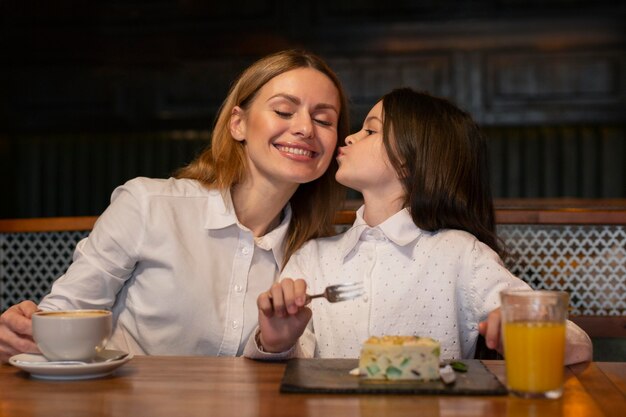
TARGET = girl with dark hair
(423,244)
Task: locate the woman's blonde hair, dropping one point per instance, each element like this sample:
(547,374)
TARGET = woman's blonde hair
(223,164)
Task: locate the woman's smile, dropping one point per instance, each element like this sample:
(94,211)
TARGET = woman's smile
(296,151)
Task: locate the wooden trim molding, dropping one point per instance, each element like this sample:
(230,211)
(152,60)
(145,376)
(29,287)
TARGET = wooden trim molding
(47,224)
(535,216)
(602,326)
(560,216)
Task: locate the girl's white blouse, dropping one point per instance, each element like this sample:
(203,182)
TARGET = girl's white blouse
(440,284)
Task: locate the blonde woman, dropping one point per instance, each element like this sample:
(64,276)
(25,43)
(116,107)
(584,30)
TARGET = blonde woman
(181,261)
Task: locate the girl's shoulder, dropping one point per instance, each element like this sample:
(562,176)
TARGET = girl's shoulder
(464,244)
(307,260)
(323,244)
(318,248)
(453,241)
(454,236)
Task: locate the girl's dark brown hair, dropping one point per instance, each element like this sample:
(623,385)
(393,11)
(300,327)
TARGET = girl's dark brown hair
(223,164)
(440,155)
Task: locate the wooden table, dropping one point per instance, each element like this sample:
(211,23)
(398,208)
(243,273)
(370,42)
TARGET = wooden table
(208,386)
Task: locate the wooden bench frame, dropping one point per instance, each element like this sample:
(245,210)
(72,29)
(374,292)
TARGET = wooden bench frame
(559,212)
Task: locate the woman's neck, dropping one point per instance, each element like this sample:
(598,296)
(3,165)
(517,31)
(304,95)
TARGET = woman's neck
(259,207)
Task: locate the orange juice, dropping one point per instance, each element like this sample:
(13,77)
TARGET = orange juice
(534,353)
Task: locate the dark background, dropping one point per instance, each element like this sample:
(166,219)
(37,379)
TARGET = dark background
(93,93)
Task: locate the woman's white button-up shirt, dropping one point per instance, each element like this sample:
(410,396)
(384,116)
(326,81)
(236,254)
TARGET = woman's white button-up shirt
(179,272)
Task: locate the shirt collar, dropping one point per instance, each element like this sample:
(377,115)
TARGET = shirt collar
(221,214)
(398,228)
(220,211)
(274,239)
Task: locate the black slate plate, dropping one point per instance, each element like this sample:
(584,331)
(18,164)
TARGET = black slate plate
(332,376)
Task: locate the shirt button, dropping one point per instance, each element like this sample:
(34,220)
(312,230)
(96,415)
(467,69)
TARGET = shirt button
(238,288)
(365,298)
(245,251)
(235,324)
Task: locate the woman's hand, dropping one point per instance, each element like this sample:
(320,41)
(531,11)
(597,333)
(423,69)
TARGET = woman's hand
(283,315)
(16,330)
(490,329)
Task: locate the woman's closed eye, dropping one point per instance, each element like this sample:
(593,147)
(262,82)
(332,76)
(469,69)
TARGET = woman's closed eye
(319,121)
(323,122)
(283,114)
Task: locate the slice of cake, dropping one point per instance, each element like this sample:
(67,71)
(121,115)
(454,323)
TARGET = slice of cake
(400,357)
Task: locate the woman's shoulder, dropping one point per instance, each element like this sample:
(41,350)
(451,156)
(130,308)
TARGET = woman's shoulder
(167,187)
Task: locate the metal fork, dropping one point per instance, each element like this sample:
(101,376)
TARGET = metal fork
(339,292)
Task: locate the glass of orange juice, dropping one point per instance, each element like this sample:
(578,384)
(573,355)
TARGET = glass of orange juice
(533,329)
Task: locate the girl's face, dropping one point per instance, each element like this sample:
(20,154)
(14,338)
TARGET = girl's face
(363,164)
(290,128)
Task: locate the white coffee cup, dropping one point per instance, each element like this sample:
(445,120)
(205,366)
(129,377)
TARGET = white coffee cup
(72,334)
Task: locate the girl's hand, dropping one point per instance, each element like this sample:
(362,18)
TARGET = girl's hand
(282,315)
(490,329)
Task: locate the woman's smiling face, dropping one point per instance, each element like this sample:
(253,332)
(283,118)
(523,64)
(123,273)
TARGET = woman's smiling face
(290,128)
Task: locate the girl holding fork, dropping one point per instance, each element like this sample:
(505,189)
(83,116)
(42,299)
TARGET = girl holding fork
(423,245)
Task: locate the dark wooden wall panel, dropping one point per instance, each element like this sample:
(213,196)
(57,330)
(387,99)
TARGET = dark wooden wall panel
(94,93)
(583,161)
(613,164)
(543,87)
(368,78)
(192,90)
(65,174)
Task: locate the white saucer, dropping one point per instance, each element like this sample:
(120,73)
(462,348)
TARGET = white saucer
(38,366)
